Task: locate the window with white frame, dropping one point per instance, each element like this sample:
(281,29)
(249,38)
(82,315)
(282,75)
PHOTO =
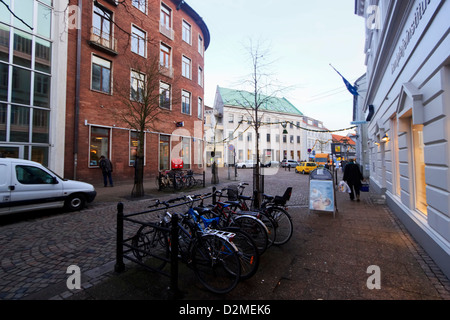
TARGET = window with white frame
(186,33)
(140,4)
(164,95)
(166,16)
(101,75)
(138,41)
(200,44)
(186,67)
(137,87)
(200,108)
(200,76)
(186,102)
(164,56)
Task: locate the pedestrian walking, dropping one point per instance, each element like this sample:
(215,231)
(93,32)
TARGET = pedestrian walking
(353,177)
(107,169)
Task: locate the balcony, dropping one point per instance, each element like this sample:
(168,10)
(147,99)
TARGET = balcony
(166,71)
(103,41)
(167,31)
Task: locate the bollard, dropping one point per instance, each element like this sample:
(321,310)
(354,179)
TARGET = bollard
(120,266)
(204,179)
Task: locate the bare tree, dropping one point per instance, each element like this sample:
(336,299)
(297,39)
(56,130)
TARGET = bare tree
(143,104)
(263,88)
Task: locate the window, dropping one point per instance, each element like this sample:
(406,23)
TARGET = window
(200,44)
(277,138)
(186,102)
(186,67)
(134,144)
(164,95)
(164,152)
(140,4)
(165,24)
(200,108)
(230,118)
(241,136)
(186,152)
(137,90)
(41,124)
(186,32)
(284,138)
(166,17)
(419,168)
(200,76)
(101,75)
(249,136)
(268,137)
(164,56)
(99,145)
(138,41)
(298,139)
(32,175)
(102,25)
(291,139)
(20,124)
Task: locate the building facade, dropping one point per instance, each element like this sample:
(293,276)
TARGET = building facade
(408,89)
(33,72)
(119,52)
(285,132)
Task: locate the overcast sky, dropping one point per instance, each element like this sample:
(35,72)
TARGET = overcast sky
(304,38)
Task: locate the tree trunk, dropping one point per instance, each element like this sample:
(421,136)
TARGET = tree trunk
(138,188)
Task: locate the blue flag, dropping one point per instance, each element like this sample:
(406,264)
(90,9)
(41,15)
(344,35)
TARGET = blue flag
(352,89)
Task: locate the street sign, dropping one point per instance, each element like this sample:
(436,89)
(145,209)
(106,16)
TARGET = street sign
(231,147)
(359,122)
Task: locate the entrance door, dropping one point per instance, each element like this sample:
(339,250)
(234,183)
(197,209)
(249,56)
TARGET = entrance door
(11,151)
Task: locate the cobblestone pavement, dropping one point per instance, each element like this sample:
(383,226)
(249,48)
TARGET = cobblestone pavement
(326,258)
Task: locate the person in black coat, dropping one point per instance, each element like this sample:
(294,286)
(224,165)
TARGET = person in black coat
(353,177)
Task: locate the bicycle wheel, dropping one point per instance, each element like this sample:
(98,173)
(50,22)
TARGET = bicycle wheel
(256,229)
(150,246)
(248,252)
(270,225)
(216,263)
(283,223)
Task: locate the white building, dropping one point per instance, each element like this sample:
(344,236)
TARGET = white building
(284,133)
(33,73)
(408,80)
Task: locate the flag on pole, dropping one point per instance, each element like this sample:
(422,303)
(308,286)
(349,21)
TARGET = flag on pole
(352,89)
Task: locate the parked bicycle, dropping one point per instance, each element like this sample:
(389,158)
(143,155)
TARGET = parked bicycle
(210,253)
(247,248)
(274,207)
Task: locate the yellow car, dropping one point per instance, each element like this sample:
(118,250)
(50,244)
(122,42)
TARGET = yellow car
(306,167)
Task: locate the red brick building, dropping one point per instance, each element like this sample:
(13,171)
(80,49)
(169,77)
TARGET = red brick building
(113,38)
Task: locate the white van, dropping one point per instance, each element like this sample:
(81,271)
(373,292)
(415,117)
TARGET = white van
(28,185)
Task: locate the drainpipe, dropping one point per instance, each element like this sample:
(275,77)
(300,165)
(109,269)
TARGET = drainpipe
(77,91)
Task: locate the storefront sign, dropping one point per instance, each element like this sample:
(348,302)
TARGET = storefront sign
(411,28)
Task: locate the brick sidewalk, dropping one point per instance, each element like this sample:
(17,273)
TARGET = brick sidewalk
(326,258)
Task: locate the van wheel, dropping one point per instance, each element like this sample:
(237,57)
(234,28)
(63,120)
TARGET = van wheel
(75,202)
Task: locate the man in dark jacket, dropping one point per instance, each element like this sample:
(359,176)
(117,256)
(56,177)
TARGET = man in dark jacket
(107,168)
(353,177)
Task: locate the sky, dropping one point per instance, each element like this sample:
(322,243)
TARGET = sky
(303,38)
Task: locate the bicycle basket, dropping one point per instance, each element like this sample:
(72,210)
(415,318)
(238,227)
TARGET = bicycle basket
(232,193)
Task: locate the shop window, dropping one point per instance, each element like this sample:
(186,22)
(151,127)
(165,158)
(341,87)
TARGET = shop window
(99,145)
(164,152)
(419,168)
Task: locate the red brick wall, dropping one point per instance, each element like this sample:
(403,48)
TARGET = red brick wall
(97,108)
